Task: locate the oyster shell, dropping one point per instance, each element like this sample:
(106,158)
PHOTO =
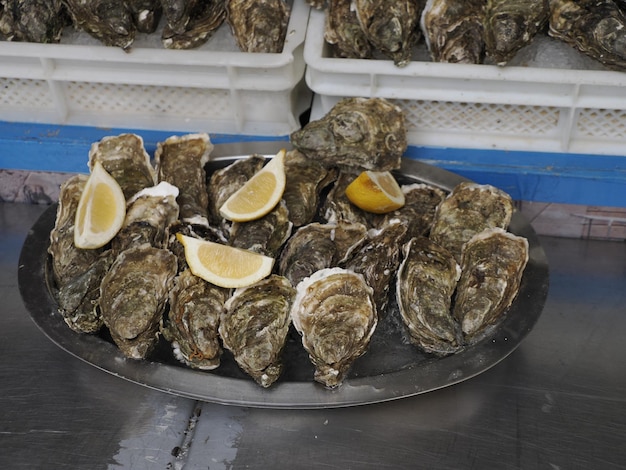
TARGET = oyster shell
(594,27)
(177,14)
(426,282)
(180,161)
(334,312)
(206,17)
(316,246)
(109,21)
(265,235)
(337,207)
(317,4)
(201,232)
(469,209)
(511,25)
(193,319)
(492,266)
(254,327)
(343,30)
(146,14)
(40,21)
(363,133)
(453,30)
(258,25)
(125,159)
(133,296)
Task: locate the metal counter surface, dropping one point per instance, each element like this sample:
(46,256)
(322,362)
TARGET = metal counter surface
(557,402)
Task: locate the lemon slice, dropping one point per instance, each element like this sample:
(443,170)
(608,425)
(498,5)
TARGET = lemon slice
(375,191)
(223,265)
(259,195)
(101,210)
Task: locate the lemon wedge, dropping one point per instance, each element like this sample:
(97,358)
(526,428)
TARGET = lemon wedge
(259,195)
(101,210)
(375,191)
(223,265)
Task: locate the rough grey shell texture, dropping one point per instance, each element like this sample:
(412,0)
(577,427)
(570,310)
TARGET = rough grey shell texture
(177,13)
(365,133)
(203,21)
(492,266)
(334,312)
(254,327)
(109,21)
(265,235)
(146,14)
(337,207)
(40,21)
(258,25)
(343,30)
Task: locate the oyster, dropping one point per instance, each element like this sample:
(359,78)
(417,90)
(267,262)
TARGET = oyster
(344,32)
(146,14)
(265,235)
(594,27)
(492,266)
(453,30)
(317,246)
(363,133)
(40,21)
(258,25)
(305,179)
(133,296)
(426,281)
(254,327)
(125,159)
(193,319)
(378,258)
(338,207)
(177,14)
(149,214)
(511,25)
(205,19)
(317,4)
(201,232)
(469,209)
(180,161)
(109,21)
(334,312)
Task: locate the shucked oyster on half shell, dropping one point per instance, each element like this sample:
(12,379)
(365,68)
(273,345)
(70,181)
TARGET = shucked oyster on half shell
(335,313)
(258,25)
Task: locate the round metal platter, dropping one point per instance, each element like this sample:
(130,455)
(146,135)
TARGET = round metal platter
(390,369)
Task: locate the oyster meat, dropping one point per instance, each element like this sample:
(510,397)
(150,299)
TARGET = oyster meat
(193,319)
(40,21)
(511,25)
(146,14)
(254,327)
(133,296)
(363,133)
(109,21)
(335,314)
(594,27)
(180,161)
(469,209)
(265,235)
(343,30)
(125,159)
(453,30)
(206,17)
(492,266)
(426,282)
(258,25)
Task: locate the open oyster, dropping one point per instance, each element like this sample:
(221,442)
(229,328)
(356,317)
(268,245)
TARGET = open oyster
(109,21)
(363,133)
(258,26)
(426,281)
(343,30)
(193,319)
(254,327)
(492,266)
(133,296)
(334,312)
(205,18)
(125,159)
(40,21)
(146,14)
(469,209)
(180,161)
(265,235)
(453,30)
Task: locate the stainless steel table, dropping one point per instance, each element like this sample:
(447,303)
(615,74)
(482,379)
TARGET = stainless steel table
(557,402)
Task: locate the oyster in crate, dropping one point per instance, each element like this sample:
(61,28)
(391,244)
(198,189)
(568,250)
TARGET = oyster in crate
(335,314)
(357,133)
(594,27)
(177,14)
(193,320)
(133,296)
(254,327)
(492,266)
(511,25)
(258,25)
(318,4)
(391,27)
(205,19)
(343,30)
(125,159)
(426,282)
(109,21)
(453,30)
(469,209)
(40,21)
(146,14)
(180,161)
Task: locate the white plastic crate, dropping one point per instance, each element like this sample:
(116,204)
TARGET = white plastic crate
(479,106)
(215,88)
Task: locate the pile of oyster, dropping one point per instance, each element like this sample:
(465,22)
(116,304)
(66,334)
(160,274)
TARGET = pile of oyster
(473,31)
(182,24)
(445,259)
